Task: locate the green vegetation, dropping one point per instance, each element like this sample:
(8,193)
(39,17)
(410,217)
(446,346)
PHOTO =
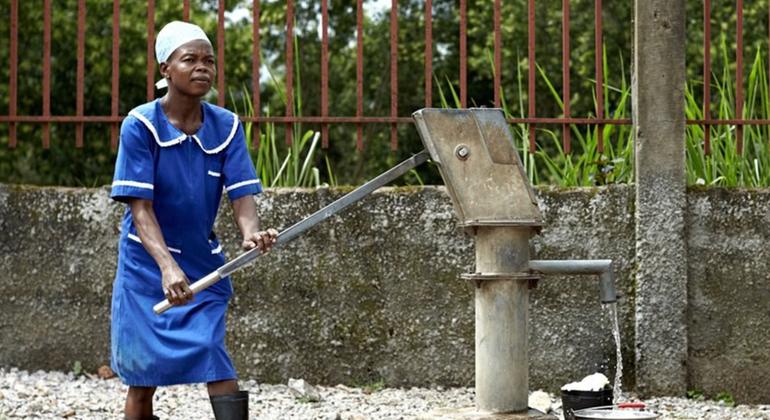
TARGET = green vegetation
(724,166)
(586,166)
(696,394)
(373,387)
(278,164)
(77,368)
(63,164)
(726,398)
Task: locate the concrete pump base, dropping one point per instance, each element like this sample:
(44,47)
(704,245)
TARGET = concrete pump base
(472,413)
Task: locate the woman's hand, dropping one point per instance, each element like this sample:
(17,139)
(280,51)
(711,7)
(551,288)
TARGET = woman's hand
(175,286)
(262,240)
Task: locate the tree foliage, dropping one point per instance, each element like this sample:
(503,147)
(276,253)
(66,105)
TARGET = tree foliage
(63,164)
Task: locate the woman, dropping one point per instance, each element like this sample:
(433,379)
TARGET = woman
(177,156)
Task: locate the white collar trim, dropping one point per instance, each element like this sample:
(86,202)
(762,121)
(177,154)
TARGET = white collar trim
(154,132)
(183,136)
(224,144)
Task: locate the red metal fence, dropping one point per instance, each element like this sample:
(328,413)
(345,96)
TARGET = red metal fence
(359,120)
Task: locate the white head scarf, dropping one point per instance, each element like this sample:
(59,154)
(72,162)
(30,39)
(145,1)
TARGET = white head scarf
(172,36)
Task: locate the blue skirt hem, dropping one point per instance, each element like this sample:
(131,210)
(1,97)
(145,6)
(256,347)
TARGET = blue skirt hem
(154,382)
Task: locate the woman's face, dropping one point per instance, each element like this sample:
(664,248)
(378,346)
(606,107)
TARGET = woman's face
(191,68)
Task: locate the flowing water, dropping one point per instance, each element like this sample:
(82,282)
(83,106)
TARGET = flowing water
(616,388)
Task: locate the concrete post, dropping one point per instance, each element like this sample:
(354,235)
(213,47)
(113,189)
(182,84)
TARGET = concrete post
(502,363)
(659,126)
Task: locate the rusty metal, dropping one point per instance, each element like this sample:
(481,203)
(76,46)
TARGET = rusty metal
(463,54)
(498,59)
(47,72)
(81,71)
(324,119)
(531,74)
(359,72)
(186,10)
(255,64)
(565,79)
(324,71)
(221,54)
(394,73)
(707,76)
(38,119)
(13,71)
(150,49)
(739,76)
(289,68)
(732,121)
(428,53)
(598,59)
(115,72)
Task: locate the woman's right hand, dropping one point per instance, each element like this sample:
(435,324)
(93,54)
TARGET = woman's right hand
(175,286)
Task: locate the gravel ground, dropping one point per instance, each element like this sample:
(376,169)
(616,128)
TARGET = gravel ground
(51,395)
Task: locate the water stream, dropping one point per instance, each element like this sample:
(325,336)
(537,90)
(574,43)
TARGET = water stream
(612,309)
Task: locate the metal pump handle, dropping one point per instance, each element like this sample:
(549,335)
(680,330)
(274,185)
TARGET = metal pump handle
(300,227)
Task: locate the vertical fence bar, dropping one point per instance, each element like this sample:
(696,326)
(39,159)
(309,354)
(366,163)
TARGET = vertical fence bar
(739,76)
(46,72)
(599,55)
(428,53)
(150,47)
(289,69)
(324,71)
(359,72)
(13,71)
(394,74)
(255,64)
(497,59)
(221,54)
(81,69)
(186,10)
(531,75)
(707,76)
(463,54)
(115,71)
(565,79)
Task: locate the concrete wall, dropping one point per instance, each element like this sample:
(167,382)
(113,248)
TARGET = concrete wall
(373,294)
(729,292)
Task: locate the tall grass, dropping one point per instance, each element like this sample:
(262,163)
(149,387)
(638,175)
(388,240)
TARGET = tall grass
(586,166)
(277,164)
(724,166)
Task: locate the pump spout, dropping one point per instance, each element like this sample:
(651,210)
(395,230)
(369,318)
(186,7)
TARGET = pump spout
(607,287)
(602,268)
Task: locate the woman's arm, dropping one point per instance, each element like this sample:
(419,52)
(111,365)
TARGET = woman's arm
(174,281)
(245,212)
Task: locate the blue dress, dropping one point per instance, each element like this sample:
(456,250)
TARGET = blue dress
(184,176)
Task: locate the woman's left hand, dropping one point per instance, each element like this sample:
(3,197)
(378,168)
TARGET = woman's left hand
(262,240)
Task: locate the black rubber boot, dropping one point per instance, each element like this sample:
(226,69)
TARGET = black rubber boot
(231,406)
